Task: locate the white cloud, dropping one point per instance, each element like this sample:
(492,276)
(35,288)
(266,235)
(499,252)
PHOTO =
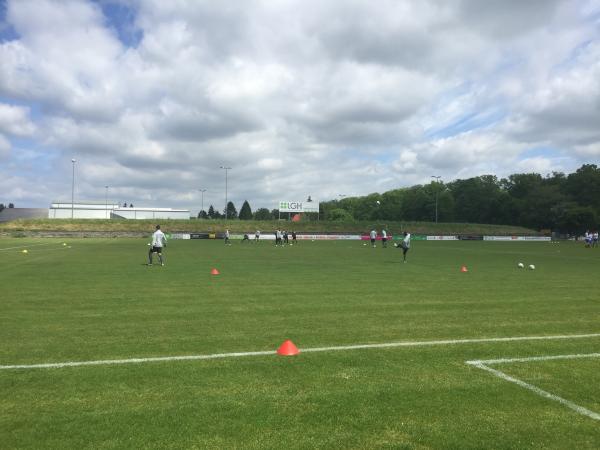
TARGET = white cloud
(14,120)
(4,147)
(300,98)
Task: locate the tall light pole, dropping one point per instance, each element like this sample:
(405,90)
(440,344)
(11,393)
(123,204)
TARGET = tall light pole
(226,169)
(437,179)
(202,191)
(106,201)
(73,188)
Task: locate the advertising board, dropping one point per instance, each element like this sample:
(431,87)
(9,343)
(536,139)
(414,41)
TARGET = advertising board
(299,207)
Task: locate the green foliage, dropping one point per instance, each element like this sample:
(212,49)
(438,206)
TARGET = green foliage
(339,214)
(231,211)
(528,200)
(145,227)
(246,211)
(263,214)
(211,212)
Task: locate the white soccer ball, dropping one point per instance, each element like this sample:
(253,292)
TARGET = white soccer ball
(531,266)
(378,202)
(395,244)
(521,265)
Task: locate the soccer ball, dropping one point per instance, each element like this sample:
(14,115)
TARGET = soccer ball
(378,202)
(25,251)
(395,244)
(521,265)
(531,266)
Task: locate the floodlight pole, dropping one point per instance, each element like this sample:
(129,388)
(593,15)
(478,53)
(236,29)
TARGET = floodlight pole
(73,161)
(437,178)
(202,191)
(106,201)
(226,169)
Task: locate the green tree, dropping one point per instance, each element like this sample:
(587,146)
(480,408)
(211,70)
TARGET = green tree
(262,214)
(11,205)
(418,203)
(231,212)
(579,219)
(202,215)
(481,200)
(211,212)
(584,186)
(340,215)
(275,214)
(246,211)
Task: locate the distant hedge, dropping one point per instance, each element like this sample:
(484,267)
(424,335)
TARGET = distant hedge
(236,226)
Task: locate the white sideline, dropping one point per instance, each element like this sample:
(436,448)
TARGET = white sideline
(306,350)
(28,246)
(482,364)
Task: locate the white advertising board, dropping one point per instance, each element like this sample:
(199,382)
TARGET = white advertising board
(517,238)
(299,207)
(442,238)
(330,237)
(180,236)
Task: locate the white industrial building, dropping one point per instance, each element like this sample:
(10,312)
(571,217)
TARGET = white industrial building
(90,210)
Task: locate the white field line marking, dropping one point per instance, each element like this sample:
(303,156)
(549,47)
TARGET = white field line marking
(533,358)
(28,246)
(306,350)
(569,404)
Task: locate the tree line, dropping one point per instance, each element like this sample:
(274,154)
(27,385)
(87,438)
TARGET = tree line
(564,203)
(244,214)
(558,202)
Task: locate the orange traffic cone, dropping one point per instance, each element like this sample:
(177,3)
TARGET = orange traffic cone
(288,349)
(214,272)
(463,269)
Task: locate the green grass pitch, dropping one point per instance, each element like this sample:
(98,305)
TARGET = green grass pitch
(95,300)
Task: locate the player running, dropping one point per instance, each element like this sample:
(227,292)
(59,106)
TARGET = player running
(159,241)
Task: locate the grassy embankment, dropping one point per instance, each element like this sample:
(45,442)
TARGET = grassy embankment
(67,225)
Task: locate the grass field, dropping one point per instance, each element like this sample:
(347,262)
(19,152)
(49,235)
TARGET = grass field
(95,300)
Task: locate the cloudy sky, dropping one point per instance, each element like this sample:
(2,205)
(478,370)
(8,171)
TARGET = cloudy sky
(298,97)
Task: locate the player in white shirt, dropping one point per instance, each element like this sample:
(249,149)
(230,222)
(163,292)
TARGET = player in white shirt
(159,241)
(384,239)
(405,245)
(373,236)
(257,236)
(227,237)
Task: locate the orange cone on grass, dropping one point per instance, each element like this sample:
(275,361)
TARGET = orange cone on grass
(214,272)
(463,269)
(288,349)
